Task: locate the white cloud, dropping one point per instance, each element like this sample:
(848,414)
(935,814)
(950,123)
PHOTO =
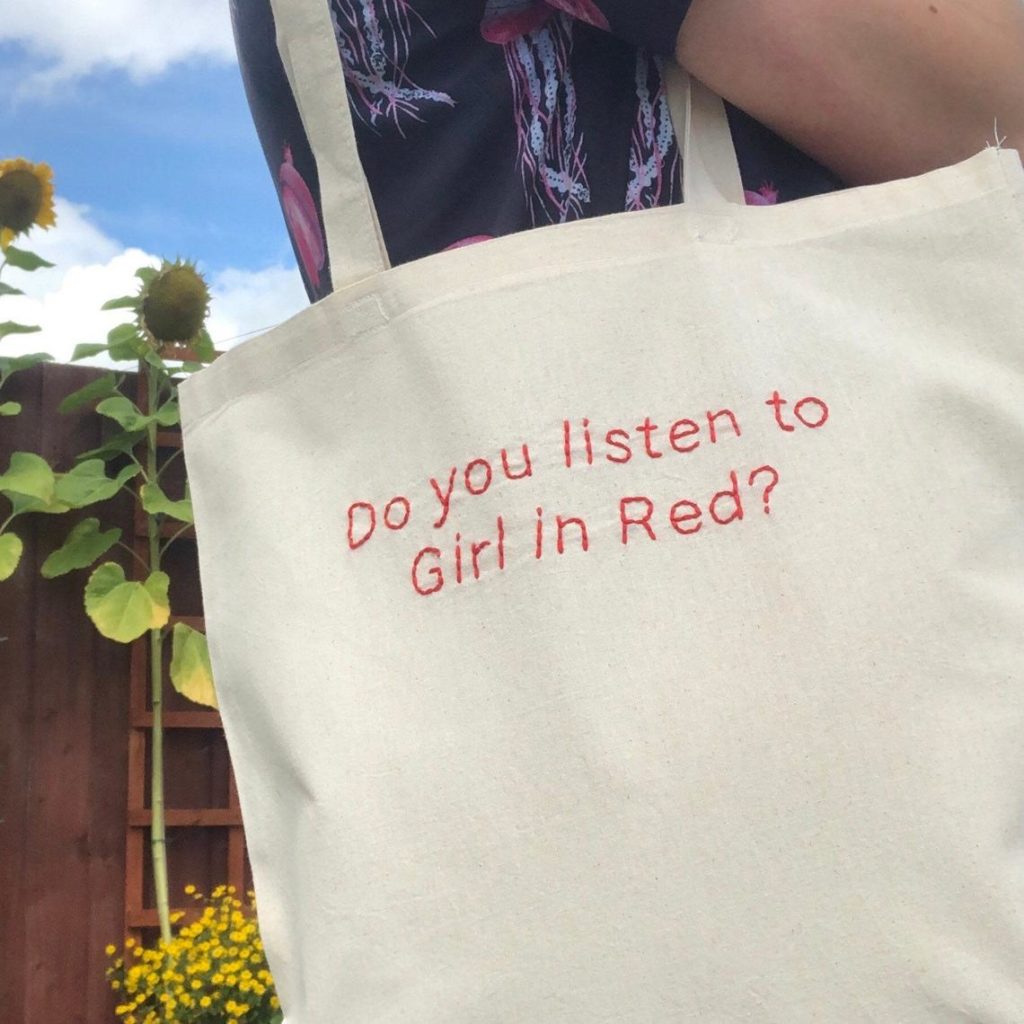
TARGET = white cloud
(142,37)
(92,268)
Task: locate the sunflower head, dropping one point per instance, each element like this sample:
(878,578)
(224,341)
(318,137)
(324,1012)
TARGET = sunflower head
(26,198)
(174,304)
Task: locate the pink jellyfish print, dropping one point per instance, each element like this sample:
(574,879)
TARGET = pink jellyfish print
(538,47)
(373,38)
(583,10)
(301,215)
(653,153)
(766,195)
(471,240)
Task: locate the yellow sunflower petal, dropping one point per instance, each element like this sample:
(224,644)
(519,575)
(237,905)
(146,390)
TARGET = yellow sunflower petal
(26,197)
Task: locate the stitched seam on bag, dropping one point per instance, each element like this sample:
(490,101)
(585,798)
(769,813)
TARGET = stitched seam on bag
(557,269)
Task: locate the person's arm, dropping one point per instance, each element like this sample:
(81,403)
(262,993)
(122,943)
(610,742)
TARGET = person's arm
(873,89)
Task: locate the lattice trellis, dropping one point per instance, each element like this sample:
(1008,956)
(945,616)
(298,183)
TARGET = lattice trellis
(137,916)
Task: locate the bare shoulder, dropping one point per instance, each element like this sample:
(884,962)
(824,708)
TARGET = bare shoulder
(874,89)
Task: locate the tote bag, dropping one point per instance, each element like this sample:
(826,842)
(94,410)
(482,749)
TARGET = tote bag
(624,621)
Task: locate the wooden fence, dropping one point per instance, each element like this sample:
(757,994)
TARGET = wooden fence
(74,731)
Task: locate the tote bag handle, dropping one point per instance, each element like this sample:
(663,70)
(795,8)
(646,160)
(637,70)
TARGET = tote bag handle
(309,52)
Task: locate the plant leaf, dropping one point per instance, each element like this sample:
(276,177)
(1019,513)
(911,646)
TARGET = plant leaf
(124,302)
(124,610)
(203,346)
(124,342)
(30,476)
(89,348)
(88,483)
(14,364)
(83,545)
(10,408)
(124,412)
(10,327)
(191,674)
(10,554)
(101,387)
(146,274)
(121,443)
(6,289)
(24,260)
(168,415)
(155,502)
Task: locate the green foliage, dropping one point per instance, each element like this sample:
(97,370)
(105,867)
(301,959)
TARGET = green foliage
(22,259)
(10,554)
(122,609)
(156,503)
(28,475)
(94,391)
(10,327)
(84,544)
(191,674)
(88,483)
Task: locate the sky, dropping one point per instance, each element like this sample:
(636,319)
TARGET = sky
(138,107)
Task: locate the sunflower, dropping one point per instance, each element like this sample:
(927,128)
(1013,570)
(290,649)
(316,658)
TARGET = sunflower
(174,304)
(26,198)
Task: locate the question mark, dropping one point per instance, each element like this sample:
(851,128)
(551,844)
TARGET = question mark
(766,497)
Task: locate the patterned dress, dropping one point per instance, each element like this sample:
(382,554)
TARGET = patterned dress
(479,118)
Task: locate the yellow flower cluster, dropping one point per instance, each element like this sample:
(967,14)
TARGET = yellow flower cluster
(213,971)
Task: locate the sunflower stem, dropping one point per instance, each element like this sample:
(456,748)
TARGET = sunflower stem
(158,829)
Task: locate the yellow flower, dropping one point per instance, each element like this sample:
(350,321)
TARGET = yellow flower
(26,198)
(110,950)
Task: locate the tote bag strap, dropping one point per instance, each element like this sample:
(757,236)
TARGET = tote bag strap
(309,51)
(711,170)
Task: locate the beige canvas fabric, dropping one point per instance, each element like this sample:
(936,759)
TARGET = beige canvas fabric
(622,621)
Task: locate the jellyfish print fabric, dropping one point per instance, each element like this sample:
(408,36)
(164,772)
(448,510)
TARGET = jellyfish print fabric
(480,118)
(374,39)
(283,138)
(537,46)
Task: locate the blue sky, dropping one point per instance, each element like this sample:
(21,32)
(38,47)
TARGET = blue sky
(170,164)
(138,106)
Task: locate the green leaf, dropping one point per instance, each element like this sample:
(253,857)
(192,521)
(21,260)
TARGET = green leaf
(146,274)
(203,346)
(21,503)
(124,610)
(30,476)
(89,348)
(10,408)
(168,414)
(120,444)
(10,327)
(25,260)
(84,544)
(101,387)
(14,364)
(124,412)
(191,674)
(125,302)
(125,342)
(6,289)
(155,502)
(88,483)
(10,554)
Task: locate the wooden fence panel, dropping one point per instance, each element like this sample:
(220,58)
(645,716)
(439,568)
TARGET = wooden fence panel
(66,723)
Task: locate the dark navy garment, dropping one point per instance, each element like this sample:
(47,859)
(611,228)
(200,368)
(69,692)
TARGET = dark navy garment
(479,118)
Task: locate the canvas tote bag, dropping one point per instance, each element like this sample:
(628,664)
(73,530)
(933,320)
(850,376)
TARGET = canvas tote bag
(624,621)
